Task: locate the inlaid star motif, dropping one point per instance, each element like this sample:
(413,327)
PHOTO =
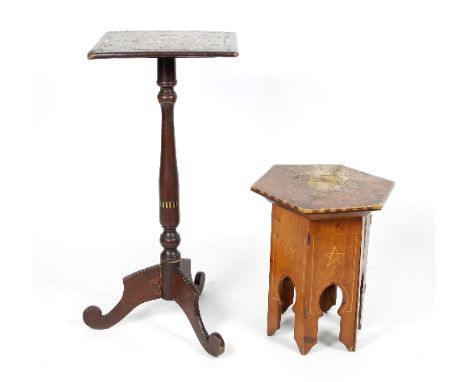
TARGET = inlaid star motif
(288,250)
(333,256)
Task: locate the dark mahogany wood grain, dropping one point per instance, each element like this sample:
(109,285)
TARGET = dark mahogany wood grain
(139,287)
(172,279)
(186,294)
(168,177)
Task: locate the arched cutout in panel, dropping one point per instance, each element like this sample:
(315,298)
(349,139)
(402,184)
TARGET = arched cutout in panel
(328,297)
(286,293)
(329,325)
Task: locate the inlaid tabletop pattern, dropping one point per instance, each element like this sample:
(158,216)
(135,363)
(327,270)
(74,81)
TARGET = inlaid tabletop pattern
(316,189)
(154,44)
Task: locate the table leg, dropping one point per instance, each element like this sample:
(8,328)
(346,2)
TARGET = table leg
(139,287)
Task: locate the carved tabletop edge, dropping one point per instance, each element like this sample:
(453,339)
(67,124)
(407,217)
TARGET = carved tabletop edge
(165,44)
(93,55)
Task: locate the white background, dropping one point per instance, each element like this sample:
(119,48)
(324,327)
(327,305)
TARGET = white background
(376,85)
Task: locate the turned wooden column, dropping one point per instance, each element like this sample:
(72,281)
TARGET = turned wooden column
(320,228)
(168,177)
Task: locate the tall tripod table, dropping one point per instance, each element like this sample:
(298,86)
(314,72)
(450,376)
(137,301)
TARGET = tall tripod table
(171,279)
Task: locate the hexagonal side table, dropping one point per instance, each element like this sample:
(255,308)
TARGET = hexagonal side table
(320,229)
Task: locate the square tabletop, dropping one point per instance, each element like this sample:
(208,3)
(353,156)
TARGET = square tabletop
(155,44)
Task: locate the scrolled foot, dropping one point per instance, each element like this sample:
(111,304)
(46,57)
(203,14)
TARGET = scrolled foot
(139,287)
(186,294)
(215,345)
(92,316)
(199,281)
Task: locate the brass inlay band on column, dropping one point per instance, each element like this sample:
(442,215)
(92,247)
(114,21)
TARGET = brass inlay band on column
(171,204)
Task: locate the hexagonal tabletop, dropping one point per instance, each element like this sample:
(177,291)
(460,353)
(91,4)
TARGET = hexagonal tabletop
(317,189)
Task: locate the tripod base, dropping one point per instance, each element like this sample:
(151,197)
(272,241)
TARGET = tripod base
(145,285)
